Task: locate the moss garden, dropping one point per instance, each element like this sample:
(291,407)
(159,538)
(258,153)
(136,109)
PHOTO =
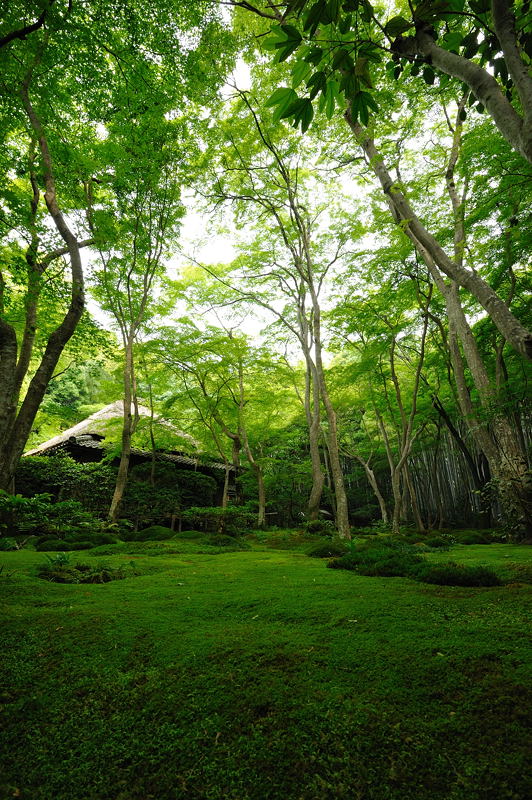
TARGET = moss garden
(265,422)
(208,671)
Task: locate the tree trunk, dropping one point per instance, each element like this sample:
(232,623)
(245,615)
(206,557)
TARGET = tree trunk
(342,510)
(128,426)
(256,467)
(508,466)
(397,501)
(515,129)
(420,526)
(495,437)
(225,494)
(431,251)
(372,479)
(16,431)
(312,410)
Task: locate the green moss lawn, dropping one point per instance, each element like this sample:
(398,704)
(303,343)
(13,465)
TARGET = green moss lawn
(261,674)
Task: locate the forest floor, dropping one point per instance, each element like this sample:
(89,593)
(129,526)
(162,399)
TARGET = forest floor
(262,675)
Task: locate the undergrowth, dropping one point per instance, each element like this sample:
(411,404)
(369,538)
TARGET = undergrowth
(395,558)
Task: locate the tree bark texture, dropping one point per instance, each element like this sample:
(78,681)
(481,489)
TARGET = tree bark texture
(15,428)
(427,244)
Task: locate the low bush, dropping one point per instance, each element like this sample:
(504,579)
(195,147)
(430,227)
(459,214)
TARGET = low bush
(190,488)
(473,537)
(378,563)
(155,533)
(7,543)
(365,515)
(61,571)
(233,520)
(22,515)
(438,542)
(48,545)
(102,538)
(80,542)
(78,545)
(189,535)
(327,549)
(393,558)
(321,527)
(220,540)
(452,574)
(118,548)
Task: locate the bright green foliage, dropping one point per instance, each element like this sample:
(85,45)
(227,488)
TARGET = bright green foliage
(392,558)
(81,573)
(327,549)
(263,675)
(452,574)
(346,43)
(233,520)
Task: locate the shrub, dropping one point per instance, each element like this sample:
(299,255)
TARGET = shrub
(327,549)
(378,563)
(190,535)
(38,514)
(437,542)
(321,527)
(473,537)
(384,557)
(51,474)
(60,559)
(155,533)
(221,540)
(232,520)
(114,549)
(82,545)
(394,558)
(20,514)
(62,572)
(48,545)
(7,543)
(452,574)
(364,515)
(195,488)
(191,488)
(380,526)
(101,538)
(68,517)
(147,505)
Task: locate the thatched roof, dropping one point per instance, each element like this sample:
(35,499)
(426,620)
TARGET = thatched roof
(88,436)
(95,425)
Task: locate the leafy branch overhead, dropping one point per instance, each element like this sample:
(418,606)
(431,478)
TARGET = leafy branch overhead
(342,53)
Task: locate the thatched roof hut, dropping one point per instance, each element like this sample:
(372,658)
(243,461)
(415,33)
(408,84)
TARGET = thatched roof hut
(85,442)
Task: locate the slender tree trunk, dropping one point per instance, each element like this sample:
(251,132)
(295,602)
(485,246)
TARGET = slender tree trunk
(225,494)
(311,404)
(128,426)
(312,412)
(256,467)
(420,526)
(397,501)
(342,511)
(372,479)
